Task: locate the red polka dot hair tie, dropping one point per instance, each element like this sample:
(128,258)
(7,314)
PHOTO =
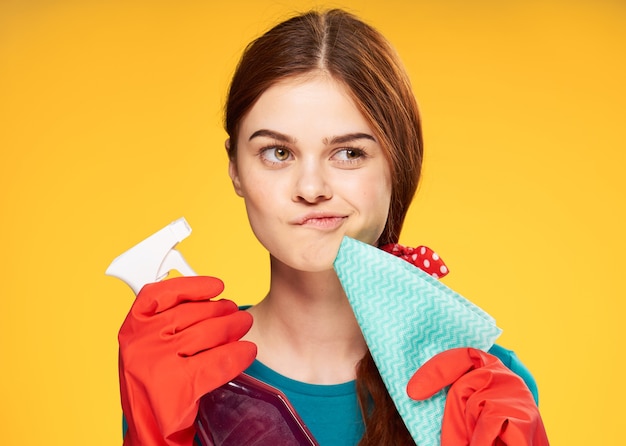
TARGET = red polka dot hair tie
(423,257)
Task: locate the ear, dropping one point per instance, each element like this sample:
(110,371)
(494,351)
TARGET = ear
(233,172)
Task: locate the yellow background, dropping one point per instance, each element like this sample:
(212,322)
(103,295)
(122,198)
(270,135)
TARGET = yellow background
(110,128)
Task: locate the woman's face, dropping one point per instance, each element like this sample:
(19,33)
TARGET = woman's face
(310,171)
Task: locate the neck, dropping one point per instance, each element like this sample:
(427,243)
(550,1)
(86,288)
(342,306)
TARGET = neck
(305,328)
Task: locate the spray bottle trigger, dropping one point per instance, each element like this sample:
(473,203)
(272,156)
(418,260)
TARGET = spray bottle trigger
(174,261)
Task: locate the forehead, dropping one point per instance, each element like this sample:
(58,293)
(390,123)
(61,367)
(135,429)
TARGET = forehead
(314,103)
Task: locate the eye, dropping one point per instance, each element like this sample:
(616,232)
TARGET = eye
(275,154)
(281,153)
(353,154)
(349,154)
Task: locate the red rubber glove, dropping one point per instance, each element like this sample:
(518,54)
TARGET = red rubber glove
(176,345)
(487,404)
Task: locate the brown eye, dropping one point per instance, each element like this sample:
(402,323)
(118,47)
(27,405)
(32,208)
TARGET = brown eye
(349,155)
(281,154)
(352,154)
(276,155)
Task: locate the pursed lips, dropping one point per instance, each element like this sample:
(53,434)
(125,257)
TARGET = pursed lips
(321,220)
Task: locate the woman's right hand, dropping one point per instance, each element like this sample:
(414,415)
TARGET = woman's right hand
(176,345)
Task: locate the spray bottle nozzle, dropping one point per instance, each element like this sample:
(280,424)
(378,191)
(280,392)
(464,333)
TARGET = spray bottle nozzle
(152,259)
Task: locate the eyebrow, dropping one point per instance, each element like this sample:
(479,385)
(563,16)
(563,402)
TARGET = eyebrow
(272,134)
(341,139)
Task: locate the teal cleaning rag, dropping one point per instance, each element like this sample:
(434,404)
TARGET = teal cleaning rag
(407,317)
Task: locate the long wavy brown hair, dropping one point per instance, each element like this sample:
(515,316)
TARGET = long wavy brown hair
(357,55)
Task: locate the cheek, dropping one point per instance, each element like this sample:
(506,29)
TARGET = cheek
(376,193)
(254,187)
(379,207)
(256,201)
(262,201)
(258,218)
(372,198)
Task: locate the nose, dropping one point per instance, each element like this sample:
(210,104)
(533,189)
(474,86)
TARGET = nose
(311,184)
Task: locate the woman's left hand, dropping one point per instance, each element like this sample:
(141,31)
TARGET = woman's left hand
(487,404)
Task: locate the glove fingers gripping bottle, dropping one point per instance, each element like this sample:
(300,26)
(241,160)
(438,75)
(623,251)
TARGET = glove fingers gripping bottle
(242,412)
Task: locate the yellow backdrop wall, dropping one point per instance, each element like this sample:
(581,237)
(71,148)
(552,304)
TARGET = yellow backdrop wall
(110,118)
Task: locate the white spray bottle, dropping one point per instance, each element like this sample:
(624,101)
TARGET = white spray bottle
(151,261)
(154,258)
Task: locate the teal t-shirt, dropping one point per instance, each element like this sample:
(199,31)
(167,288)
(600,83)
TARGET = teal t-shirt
(332,413)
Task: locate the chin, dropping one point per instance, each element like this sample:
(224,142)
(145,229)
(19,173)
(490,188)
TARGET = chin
(313,260)
(369,234)
(316,264)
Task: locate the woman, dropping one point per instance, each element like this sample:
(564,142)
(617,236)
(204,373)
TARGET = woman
(324,141)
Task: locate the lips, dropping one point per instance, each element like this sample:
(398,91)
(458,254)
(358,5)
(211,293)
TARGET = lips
(321,220)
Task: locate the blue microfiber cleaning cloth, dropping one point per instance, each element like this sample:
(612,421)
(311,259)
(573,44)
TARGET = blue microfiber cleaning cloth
(407,317)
